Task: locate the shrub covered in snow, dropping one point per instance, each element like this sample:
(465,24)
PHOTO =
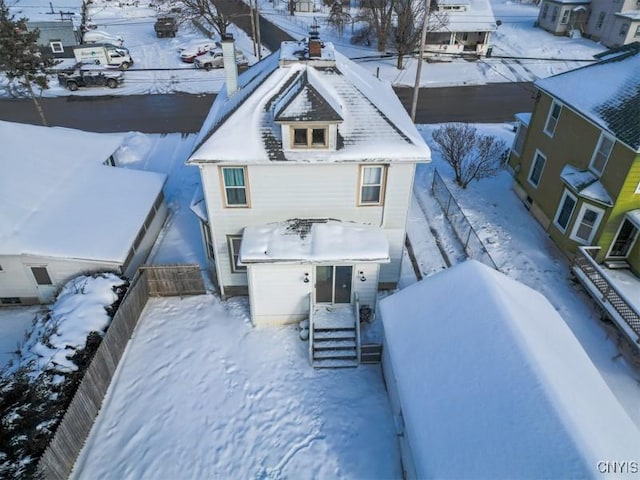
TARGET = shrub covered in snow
(39,383)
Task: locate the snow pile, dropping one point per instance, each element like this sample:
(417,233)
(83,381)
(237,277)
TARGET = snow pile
(202,394)
(80,308)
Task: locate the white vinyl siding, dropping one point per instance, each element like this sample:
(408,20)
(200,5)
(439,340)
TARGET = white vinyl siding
(552,118)
(586,224)
(565,211)
(537,166)
(284,191)
(601,153)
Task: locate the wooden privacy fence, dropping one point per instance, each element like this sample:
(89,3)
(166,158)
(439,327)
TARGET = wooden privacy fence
(58,459)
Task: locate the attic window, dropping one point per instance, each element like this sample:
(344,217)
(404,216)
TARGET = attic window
(310,137)
(56,46)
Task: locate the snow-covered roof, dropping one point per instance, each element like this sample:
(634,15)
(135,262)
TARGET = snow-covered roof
(586,184)
(606,92)
(312,241)
(632,15)
(46,10)
(634,217)
(474,16)
(372,123)
(524,118)
(59,200)
(493,383)
(571,2)
(198,205)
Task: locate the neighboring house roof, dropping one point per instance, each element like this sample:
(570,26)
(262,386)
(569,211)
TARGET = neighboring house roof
(606,92)
(59,200)
(44,10)
(491,380)
(372,123)
(586,184)
(633,15)
(313,240)
(62,31)
(524,118)
(476,17)
(570,2)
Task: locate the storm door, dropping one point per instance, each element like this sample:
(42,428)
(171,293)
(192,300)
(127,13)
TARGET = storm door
(333,284)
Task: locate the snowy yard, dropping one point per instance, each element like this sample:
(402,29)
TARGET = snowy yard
(202,394)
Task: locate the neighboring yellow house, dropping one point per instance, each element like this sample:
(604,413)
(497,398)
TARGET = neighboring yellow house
(576,163)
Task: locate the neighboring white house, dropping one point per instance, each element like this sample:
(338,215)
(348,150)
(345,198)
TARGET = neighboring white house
(460,26)
(486,380)
(612,23)
(66,209)
(307,165)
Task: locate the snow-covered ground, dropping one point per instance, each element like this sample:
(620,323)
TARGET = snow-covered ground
(221,398)
(515,37)
(15,321)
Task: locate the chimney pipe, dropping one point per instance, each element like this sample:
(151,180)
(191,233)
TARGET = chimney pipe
(230,65)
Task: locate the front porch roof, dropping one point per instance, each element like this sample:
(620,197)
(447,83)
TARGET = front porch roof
(586,185)
(313,241)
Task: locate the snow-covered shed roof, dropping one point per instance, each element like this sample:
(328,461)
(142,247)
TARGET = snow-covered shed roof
(606,92)
(634,217)
(470,16)
(493,384)
(59,200)
(313,240)
(288,86)
(524,118)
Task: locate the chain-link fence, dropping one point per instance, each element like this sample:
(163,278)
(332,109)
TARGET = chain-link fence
(473,246)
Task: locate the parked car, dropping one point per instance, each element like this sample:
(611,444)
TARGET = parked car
(213,59)
(165,27)
(80,77)
(98,36)
(189,51)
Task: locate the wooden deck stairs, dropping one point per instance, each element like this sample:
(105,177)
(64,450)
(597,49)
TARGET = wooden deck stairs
(334,337)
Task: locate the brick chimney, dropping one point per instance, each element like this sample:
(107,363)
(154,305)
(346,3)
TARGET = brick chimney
(230,65)
(315,45)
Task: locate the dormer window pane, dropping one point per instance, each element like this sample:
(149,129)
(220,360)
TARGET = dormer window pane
(318,137)
(300,137)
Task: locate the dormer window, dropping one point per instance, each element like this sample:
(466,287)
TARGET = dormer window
(312,137)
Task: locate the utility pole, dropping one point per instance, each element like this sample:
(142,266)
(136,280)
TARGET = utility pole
(254,37)
(423,39)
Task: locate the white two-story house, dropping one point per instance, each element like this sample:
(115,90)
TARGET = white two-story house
(307,164)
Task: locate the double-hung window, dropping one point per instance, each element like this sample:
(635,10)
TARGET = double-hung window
(552,118)
(601,153)
(235,186)
(586,224)
(537,166)
(565,16)
(372,182)
(565,210)
(545,10)
(600,21)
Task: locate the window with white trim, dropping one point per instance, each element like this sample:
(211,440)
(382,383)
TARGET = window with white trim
(234,181)
(565,210)
(601,153)
(624,28)
(586,224)
(208,241)
(537,166)
(552,118)
(565,16)
(312,137)
(372,180)
(545,10)
(554,15)
(234,242)
(637,34)
(600,21)
(56,46)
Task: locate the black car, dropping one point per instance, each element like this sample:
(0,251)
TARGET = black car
(90,78)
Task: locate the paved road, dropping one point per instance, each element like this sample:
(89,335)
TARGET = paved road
(185,112)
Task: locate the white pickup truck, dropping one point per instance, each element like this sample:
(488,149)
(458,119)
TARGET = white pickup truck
(103,54)
(213,59)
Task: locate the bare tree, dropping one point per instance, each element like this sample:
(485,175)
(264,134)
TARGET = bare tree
(472,156)
(338,18)
(409,19)
(205,11)
(379,15)
(20,58)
